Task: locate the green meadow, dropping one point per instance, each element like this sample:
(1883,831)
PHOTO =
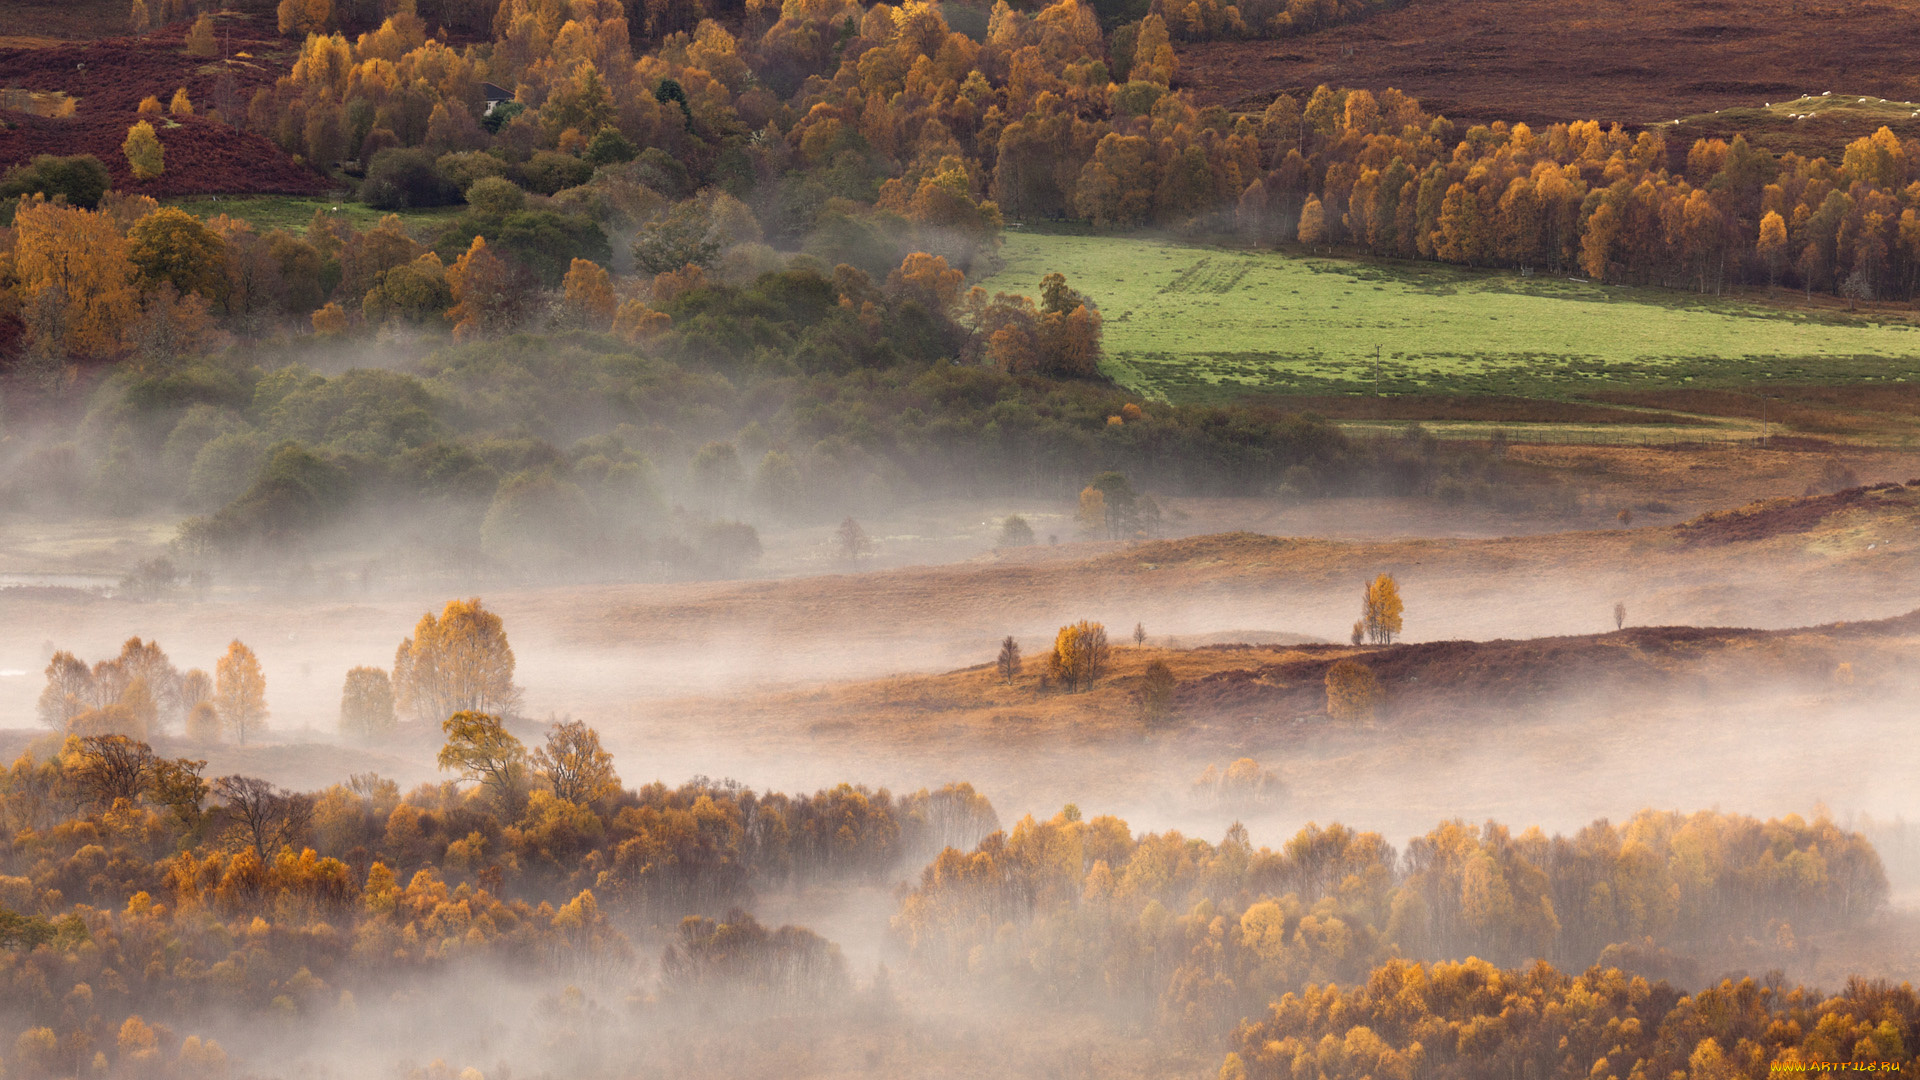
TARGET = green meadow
(1188,323)
(293,212)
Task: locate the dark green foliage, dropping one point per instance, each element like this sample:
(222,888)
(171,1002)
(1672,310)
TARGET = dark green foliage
(671,90)
(367,410)
(609,147)
(1137,98)
(1114,13)
(29,932)
(544,241)
(81,179)
(297,492)
(874,243)
(401,179)
(550,170)
(501,114)
(664,173)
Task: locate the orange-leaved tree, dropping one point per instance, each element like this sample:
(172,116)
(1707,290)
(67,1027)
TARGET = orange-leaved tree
(74,279)
(589,299)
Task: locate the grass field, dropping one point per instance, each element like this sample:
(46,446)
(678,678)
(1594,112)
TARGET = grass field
(1187,323)
(293,212)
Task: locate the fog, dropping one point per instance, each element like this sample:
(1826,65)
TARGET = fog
(815,669)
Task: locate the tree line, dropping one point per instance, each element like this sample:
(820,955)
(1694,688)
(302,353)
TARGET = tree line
(1473,1018)
(136,895)
(1176,931)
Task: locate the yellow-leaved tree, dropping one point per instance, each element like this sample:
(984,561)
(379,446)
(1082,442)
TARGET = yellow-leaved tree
(481,750)
(181,105)
(458,662)
(172,246)
(1080,655)
(145,155)
(298,18)
(200,40)
(240,692)
(1381,610)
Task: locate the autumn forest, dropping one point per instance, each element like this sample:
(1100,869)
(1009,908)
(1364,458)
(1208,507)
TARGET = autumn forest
(1101,538)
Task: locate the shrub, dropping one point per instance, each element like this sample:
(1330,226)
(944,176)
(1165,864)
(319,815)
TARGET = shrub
(1352,691)
(496,197)
(550,170)
(83,179)
(399,179)
(465,168)
(609,147)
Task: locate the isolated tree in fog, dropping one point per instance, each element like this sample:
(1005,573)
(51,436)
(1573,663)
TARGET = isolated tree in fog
(1015,532)
(366,704)
(1359,631)
(459,661)
(196,686)
(1353,693)
(1009,663)
(574,766)
(852,540)
(1139,635)
(1080,655)
(203,723)
(1156,692)
(240,691)
(482,751)
(1381,610)
(1619,615)
(1092,515)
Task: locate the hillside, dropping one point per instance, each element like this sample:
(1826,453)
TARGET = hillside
(1783,563)
(1544,61)
(109,78)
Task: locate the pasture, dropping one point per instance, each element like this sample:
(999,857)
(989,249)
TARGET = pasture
(1187,323)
